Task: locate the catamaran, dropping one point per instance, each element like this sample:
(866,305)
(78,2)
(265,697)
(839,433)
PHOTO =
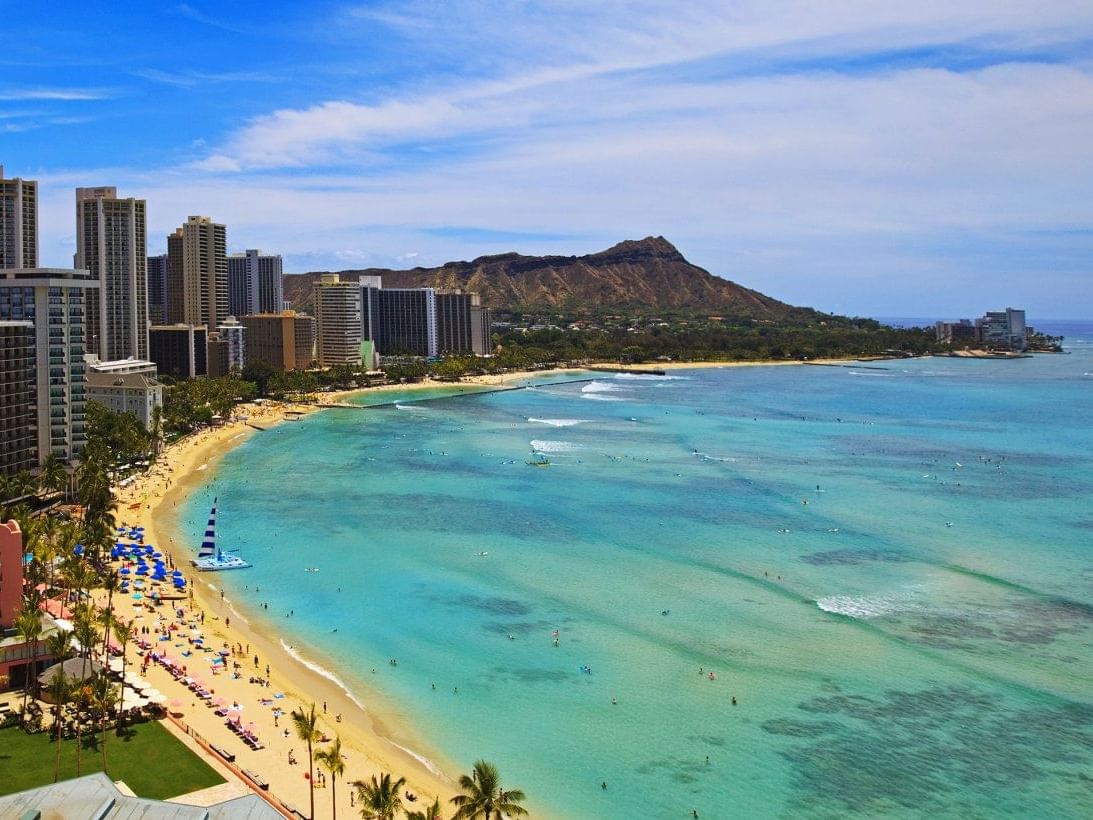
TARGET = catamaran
(210,558)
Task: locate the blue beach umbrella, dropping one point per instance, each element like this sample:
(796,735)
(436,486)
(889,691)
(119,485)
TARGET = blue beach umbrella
(177,573)
(78,549)
(137,596)
(124,571)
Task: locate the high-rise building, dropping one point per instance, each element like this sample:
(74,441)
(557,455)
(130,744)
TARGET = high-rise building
(422,321)
(233,332)
(157,289)
(1003,329)
(17,447)
(197,273)
(481,325)
(255,283)
(53,300)
(337,321)
(18,222)
(180,350)
(111,244)
(403,321)
(284,341)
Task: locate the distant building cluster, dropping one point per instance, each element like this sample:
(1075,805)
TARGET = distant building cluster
(362,319)
(996,330)
(108,328)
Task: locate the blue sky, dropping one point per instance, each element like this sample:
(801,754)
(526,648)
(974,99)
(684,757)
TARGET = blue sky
(931,159)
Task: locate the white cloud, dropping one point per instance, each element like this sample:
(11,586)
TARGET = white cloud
(734,129)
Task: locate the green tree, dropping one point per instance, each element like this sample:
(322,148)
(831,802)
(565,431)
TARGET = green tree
(103,700)
(29,625)
(52,477)
(259,373)
(330,759)
(484,797)
(379,799)
(123,632)
(306,723)
(59,646)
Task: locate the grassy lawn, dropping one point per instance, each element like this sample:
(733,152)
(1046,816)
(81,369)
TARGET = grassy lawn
(151,761)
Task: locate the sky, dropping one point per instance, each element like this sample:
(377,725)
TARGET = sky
(928,159)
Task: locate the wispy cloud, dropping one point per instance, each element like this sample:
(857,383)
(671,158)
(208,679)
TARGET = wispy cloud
(54,94)
(188,79)
(186,10)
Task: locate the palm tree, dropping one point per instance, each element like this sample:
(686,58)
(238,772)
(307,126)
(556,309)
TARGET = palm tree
(483,796)
(52,477)
(430,813)
(124,633)
(59,645)
(380,800)
(103,699)
(60,690)
(306,724)
(29,624)
(331,760)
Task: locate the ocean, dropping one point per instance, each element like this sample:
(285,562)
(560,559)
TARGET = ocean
(889,567)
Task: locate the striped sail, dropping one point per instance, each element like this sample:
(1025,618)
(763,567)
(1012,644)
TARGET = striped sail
(208,546)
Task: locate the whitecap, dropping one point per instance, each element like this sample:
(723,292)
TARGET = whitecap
(541,446)
(558,422)
(601,387)
(598,397)
(320,670)
(412,407)
(857,607)
(869,606)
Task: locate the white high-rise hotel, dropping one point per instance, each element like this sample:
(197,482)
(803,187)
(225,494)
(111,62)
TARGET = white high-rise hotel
(111,244)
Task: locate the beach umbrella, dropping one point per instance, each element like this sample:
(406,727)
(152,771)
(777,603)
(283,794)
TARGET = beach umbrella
(115,664)
(137,596)
(78,550)
(124,571)
(150,694)
(177,573)
(158,698)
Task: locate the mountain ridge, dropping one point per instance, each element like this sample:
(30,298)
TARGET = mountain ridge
(648,273)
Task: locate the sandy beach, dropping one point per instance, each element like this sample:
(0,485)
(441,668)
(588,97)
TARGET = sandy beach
(182,467)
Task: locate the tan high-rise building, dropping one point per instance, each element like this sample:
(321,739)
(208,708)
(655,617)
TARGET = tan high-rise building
(337,321)
(18,222)
(111,244)
(284,341)
(197,273)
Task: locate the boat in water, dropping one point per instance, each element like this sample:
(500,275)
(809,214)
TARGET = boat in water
(210,558)
(539,461)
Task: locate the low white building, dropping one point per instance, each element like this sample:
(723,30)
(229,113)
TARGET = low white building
(136,392)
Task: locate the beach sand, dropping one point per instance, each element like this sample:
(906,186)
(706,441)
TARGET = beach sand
(183,467)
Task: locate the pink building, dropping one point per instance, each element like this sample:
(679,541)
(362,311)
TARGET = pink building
(11,573)
(15,654)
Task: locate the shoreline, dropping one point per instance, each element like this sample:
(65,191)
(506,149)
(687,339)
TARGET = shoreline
(374,739)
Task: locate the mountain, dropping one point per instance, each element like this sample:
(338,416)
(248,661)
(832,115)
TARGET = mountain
(646,274)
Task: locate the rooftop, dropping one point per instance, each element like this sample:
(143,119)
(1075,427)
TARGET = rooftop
(95,797)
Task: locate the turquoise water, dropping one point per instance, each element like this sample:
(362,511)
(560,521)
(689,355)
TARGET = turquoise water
(915,640)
